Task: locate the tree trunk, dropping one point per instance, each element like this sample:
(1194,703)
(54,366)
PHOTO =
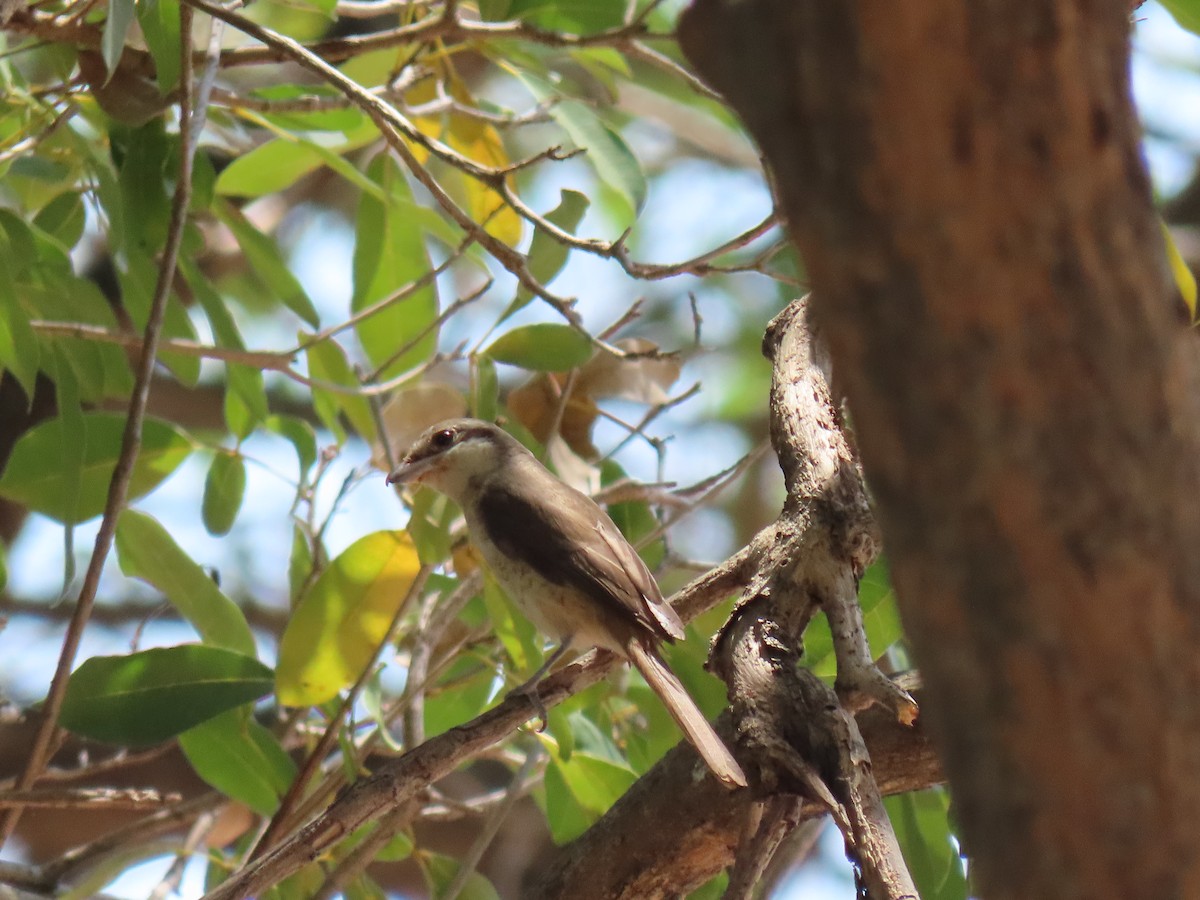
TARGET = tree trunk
(964,183)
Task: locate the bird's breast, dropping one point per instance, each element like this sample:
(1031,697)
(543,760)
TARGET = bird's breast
(556,610)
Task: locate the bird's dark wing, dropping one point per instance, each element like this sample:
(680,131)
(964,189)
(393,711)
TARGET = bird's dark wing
(569,540)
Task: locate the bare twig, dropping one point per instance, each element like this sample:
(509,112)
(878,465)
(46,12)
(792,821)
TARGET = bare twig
(362,855)
(369,9)
(196,835)
(163,821)
(273,360)
(87,798)
(401,293)
(776,818)
(521,782)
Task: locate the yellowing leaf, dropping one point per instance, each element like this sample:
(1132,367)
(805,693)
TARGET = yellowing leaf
(341,621)
(477,141)
(1185,281)
(480,142)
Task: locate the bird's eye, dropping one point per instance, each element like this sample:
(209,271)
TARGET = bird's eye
(442,439)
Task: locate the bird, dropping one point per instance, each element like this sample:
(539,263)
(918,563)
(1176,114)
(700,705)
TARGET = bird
(562,561)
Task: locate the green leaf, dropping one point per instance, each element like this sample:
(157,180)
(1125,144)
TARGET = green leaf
(112,41)
(595,782)
(485,388)
(1186,13)
(70,452)
(429,531)
(19,350)
(327,362)
(345,119)
(516,633)
(145,206)
(440,871)
(921,820)
(160,23)
(22,250)
(147,551)
(281,162)
(372,700)
(268,263)
(543,347)
(102,369)
(580,790)
(397,849)
(224,489)
(147,697)
(301,436)
(338,626)
(242,382)
(547,255)
(363,887)
(607,152)
(468,698)
(139,281)
(326,7)
(241,759)
(576,16)
(63,218)
(634,518)
(389,253)
(300,563)
(34,476)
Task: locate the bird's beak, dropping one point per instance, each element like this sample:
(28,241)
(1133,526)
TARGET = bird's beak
(410,471)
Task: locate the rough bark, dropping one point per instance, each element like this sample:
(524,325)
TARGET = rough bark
(964,184)
(670,833)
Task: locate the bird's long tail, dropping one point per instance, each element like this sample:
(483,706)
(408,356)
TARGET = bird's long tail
(684,711)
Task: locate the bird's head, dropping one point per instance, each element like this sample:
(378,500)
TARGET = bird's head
(452,455)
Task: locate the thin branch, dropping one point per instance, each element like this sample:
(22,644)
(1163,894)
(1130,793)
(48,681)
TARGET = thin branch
(276,361)
(196,836)
(399,780)
(364,853)
(282,818)
(395,128)
(776,818)
(95,770)
(520,785)
(438,27)
(442,317)
(660,60)
(139,799)
(370,9)
(130,441)
(21,147)
(402,293)
(80,859)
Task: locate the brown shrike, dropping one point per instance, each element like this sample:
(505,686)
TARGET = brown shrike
(562,561)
